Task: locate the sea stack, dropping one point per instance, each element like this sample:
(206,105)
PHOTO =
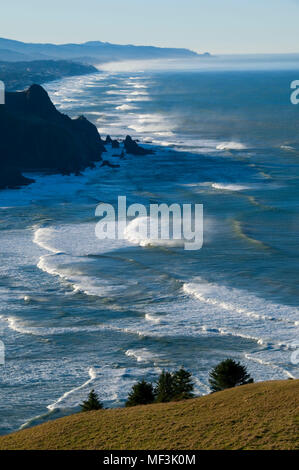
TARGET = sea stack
(133,148)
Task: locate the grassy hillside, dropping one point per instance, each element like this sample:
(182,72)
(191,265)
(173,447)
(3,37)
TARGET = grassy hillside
(255,416)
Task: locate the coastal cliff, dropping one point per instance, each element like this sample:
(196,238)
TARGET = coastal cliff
(35,136)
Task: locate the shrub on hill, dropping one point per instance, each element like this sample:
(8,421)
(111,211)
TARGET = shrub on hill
(142,393)
(165,388)
(183,384)
(228,374)
(169,387)
(92,402)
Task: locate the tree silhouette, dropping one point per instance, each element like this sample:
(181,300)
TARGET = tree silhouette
(228,374)
(170,386)
(142,393)
(182,384)
(92,402)
(164,390)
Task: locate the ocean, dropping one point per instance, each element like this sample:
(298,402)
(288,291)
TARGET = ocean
(78,313)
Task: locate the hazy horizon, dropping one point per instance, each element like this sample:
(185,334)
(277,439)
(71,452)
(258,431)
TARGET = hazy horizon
(103,41)
(231,27)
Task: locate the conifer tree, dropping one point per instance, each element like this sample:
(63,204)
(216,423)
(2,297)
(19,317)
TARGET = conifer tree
(164,390)
(183,384)
(92,402)
(142,393)
(228,374)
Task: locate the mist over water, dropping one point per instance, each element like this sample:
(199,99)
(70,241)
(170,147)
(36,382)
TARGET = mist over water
(79,313)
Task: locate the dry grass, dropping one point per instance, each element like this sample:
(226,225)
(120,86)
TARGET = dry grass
(256,416)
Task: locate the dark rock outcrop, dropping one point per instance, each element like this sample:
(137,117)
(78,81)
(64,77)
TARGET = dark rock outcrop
(12,178)
(35,136)
(133,148)
(111,165)
(108,140)
(113,143)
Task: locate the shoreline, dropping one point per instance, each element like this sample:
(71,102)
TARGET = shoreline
(35,72)
(44,123)
(221,295)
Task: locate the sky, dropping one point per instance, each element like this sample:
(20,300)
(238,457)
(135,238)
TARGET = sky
(216,26)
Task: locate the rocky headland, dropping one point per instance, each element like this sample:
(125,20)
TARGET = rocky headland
(35,136)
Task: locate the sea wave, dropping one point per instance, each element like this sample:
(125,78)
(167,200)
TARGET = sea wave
(92,375)
(72,244)
(229,186)
(137,232)
(142,355)
(20,326)
(263,362)
(269,324)
(241,233)
(153,318)
(231,146)
(125,107)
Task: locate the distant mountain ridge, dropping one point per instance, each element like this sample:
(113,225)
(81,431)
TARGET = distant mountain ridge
(90,52)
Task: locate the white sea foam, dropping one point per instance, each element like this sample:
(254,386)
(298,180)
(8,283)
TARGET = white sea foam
(271,325)
(95,113)
(57,404)
(263,362)
(230,299)
(153,318)
(45,188)
(125,107)
(229,187)
(20,326)
(138,85)
(61,265)
(137,230)
(74,240)
(68,242)
(35,419)
(288,148)
(138,93)
(154,124)
(142,355)
(43,236)
(92,375)
(199,187)
(218,310)
(112,385)
(231,146)
(117,92)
